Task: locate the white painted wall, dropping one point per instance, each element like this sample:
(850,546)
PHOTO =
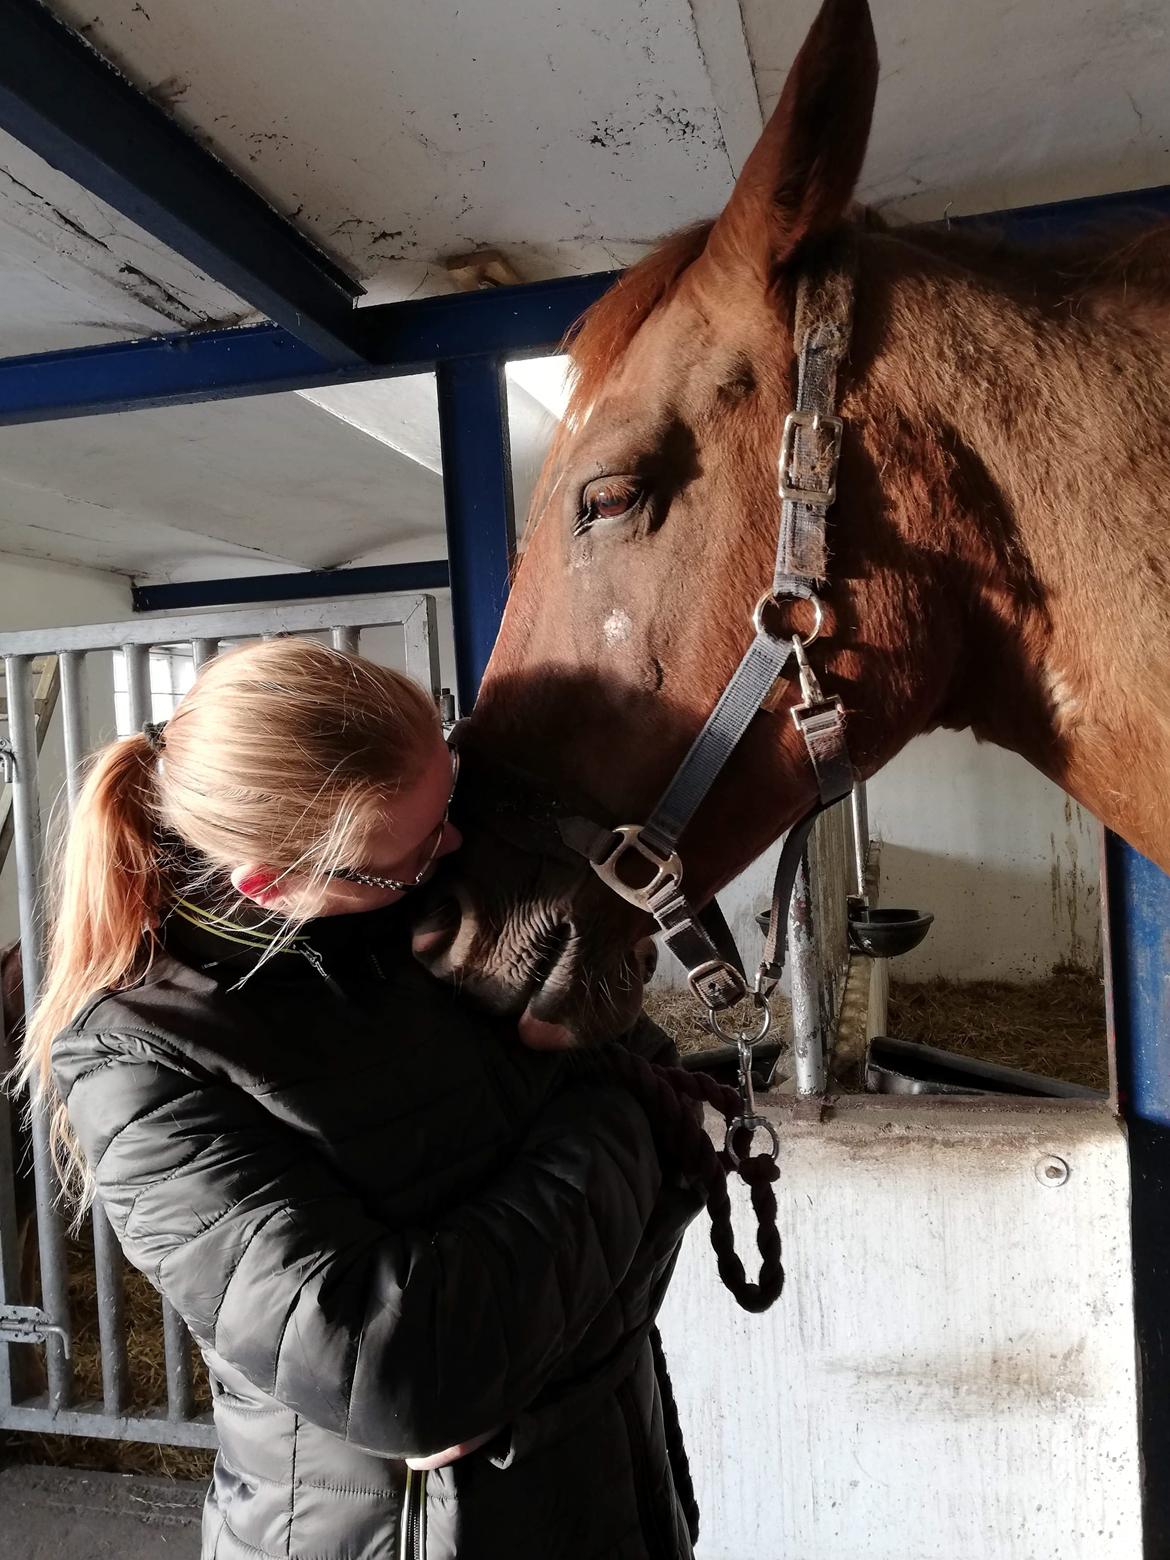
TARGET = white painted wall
(1005,860)
(36,594)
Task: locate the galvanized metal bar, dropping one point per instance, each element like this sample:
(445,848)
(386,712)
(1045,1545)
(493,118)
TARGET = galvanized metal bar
(421,636)
(107,1255)
(808,1047)
(73,720)
(9,1228)
(203,650)
(137,659)
(177,1351)
(111,1306)
(477,490)
(176,1345)
(26,806)
(233,623)
(859,813)
(347,639)
(151,1429)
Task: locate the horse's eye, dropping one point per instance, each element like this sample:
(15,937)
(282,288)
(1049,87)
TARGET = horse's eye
(608,499)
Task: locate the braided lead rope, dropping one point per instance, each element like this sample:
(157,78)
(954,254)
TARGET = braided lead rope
(665,1093)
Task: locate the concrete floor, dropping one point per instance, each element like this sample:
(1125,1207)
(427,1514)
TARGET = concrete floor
(62,1514)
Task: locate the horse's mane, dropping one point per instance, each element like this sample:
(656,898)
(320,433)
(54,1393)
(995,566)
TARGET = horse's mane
(1136,255)
(606,330)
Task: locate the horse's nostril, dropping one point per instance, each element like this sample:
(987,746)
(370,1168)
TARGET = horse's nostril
(436,929)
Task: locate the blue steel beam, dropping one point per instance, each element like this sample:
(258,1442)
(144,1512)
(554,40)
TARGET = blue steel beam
(310,585)
(1060,220)
(213,365)
(477,487)
(1137,923)
(62,99)
(396,338)
(1137,970)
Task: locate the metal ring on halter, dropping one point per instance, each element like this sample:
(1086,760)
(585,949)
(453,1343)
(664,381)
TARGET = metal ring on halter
(749,1037)
(770,600)
(752,1124)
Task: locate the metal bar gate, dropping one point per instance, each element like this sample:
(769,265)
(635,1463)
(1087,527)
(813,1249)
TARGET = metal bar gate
(49,1324)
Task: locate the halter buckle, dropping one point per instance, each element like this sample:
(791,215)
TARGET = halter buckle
(819,424)
(816,709)
(627,842)
(699,980)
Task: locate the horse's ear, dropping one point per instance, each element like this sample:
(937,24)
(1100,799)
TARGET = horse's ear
(799,179)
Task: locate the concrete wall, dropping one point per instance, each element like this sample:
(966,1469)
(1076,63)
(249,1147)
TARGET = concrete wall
(949,1373)
(39,594)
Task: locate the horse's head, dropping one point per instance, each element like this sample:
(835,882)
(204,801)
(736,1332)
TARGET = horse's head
(650,543)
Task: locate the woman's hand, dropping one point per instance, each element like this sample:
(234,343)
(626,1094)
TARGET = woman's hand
(452,1454)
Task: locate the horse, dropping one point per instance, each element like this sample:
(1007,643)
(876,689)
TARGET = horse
(997,542)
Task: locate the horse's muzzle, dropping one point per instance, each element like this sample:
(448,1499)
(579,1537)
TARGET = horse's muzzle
(533,936)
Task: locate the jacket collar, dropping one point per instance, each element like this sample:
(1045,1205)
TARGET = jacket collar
(218,930)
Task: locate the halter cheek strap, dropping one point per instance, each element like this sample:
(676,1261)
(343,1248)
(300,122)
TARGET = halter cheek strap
(641,862)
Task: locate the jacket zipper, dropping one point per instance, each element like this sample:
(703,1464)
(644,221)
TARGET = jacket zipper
(647,1514)
(315,962)
(412,1544)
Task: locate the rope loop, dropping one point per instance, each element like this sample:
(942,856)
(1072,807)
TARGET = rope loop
(669,1096)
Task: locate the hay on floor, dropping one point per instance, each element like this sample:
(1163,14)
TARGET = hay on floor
(1054,1026)
(684,1019)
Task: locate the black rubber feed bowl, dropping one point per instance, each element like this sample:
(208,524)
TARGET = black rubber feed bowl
(885,934)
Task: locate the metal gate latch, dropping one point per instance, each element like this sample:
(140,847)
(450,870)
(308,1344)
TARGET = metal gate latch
(29,1324)
(7,762)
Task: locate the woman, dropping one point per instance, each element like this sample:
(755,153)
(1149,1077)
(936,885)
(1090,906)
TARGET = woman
(420,1260)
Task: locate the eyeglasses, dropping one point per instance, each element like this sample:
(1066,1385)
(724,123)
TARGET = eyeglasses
(376,880)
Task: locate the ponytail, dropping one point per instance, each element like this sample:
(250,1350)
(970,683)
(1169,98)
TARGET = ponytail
(107,896)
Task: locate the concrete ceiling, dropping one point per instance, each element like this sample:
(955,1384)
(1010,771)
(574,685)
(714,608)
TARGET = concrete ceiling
(570,136)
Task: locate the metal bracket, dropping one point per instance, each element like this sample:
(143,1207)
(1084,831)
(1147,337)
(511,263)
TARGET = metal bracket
(627,845)
(7,762)
(29,1324)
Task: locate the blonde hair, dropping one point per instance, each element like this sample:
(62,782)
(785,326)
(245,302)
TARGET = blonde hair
(284,753)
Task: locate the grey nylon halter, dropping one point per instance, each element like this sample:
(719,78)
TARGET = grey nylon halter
(809,452)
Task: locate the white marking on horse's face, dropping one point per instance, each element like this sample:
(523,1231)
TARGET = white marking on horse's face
(616,627)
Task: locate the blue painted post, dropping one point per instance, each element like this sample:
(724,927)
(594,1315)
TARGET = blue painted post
(477,489)
(1137,971)
(1138,976)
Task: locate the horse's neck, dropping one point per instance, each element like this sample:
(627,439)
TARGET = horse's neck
(1061,411)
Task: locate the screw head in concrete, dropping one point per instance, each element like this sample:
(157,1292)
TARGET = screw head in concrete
(1052,1171)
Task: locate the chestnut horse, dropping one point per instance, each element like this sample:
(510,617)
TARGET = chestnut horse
(998,542)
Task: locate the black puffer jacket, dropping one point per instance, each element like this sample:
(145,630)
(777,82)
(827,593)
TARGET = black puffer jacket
(390,1229)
